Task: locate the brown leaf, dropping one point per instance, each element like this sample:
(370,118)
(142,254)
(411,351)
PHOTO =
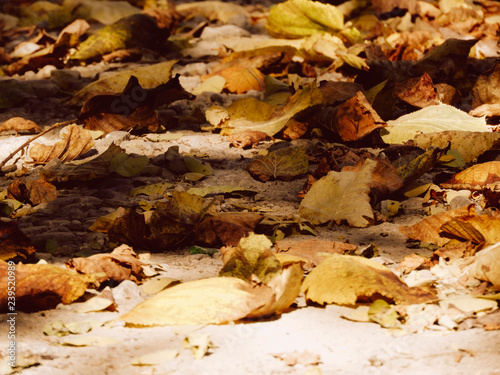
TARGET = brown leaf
(42,286)
(241,79)
(121,264)
(75,142)
(294,129)
(335,91)
(227,229)
(14,245)
(412,262)
(283,164)
(20,125)
(130,228)
(247,138)
(428,229)
(33,192)
(356,118)
(315,250)
(477,177)
(133,109)
(419,92)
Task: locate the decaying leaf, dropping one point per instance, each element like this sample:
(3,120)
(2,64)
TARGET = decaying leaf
(343,279)
(32,192)
(283,164)
(429,229)
(299,18)
(419,92)
(470,144)
(487,265)
(252,257)
(227,228)
(20,125)
(435,118)
(477,177)
(42,286)
(341,196)
(133,109)
(75,142)
(121,264)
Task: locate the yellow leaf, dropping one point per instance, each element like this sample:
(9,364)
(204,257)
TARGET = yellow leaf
(340,196)
(342,279)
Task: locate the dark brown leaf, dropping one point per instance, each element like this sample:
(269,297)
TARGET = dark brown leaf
(33,192)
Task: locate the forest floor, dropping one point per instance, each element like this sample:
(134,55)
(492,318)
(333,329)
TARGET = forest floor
(305,339)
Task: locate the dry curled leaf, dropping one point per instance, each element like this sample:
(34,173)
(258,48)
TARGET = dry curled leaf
(43,286)
(480,229)
(20,125)
(121,264)
(75,142)
(247,138)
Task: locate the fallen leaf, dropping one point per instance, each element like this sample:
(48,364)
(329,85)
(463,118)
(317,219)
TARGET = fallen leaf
(485,90)
(418,92)
(429,229)
(435,118)
(136,30)
(149,77)
(486,265)
(283,164)
(227,228)
(343,279)
(480,229)
(477,177)
(42,286)
(133,109)
(314,251)
(14,244)
(301,100)
(20,125)
(208,301)
(341,196)
(412,262)
(298,18)
(469,144)
(121,264)
(355,118)
(247,138)
(75,142)
(252,257)
(128,165)
(97,341)
(32,192)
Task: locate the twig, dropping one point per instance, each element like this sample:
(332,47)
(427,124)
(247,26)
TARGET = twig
(32,139)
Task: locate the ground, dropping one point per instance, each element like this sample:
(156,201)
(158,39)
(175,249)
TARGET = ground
(59,229)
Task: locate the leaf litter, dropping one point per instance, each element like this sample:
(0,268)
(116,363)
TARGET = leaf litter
(403,91)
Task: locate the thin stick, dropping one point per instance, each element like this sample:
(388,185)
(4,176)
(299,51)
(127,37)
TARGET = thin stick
(35,137)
